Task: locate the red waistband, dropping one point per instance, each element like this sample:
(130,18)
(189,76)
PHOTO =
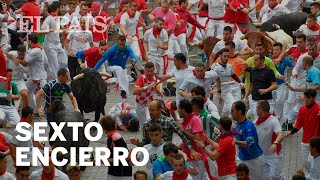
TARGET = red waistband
(221,18)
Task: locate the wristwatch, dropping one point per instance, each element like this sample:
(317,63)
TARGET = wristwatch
(276,143)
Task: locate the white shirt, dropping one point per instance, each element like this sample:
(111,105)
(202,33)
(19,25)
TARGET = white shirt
(192,81)
(18,70)
(265,131)
(292,5)
(298,69)
(76,16)
(180,75)
(314,169)
(308,32)
(35,59)
(79,40)
(131,23)
(29,143)
(216,8)
(7,176)
(168,175)
(267,13)
(52,37)
(225,74)
(211,108)
(194,9)
(152,41)
(239,45)
(154,153)
(58,175)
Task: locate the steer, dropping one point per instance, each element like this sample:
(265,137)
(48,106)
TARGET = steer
(90,91)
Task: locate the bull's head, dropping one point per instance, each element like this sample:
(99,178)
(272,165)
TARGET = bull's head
(80,76)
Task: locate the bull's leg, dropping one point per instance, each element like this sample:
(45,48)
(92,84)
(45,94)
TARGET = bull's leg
(97,116)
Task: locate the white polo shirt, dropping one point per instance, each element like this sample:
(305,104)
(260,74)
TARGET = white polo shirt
(58,175)
(131,23)
(267,13)
(180,75)
(216,8)
(298,69)
(79,40)
(265,131)
(35,59)
(52,37)
(153,41)
(308,32)
(192,81)
(239,45)
(225,74)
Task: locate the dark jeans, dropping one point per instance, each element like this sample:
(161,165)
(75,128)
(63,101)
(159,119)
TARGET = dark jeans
(73,66)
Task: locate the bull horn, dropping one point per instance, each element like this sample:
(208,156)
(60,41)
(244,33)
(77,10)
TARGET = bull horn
(105,74)
(195,44)
(79,76)
(276,26)
(242,37)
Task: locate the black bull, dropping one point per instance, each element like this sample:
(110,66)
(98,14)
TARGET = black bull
(288,22)
(90,92)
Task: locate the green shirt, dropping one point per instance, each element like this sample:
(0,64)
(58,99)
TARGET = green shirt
(208,123)
(268,62)
(14,91)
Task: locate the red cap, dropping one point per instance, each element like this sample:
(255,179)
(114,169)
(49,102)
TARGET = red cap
(95,5)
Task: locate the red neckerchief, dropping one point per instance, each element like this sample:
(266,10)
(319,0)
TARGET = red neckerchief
(156,32)
(187,119)
(231,39)
(70,12)
(53,14)
(273,5)
(109,134)
(316,27)
(195,75)
(24,120)
(205,100)
(130,14)
(48,177)
(37,45)
(182,176)
(316,55)
(274,136)
(273,57)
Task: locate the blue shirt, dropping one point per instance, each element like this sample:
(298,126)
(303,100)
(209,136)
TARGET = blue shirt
(313,77)
(116,57)
(282,66)
(161,165)
(55,90)
(248,133)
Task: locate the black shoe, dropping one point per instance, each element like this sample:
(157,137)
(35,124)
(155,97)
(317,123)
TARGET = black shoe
(290,127)
(284,126)
(133,75)
(123,94)
(167,91)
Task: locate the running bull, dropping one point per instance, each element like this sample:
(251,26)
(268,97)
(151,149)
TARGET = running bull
(90,91)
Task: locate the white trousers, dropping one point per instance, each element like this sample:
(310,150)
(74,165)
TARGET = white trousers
(198,35)
(32,87)
(142,113)
(253,14)
(253,107)
(214,28)
(280,95)
(202,21)
(236,92)
(182,41)
(134,45)
(202,174)
(159,64)
(305,152)
(256,167)
(9,114)
(224,108)
(173,46)
(56,59)
(122,78)
(291,105)
(273,167)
